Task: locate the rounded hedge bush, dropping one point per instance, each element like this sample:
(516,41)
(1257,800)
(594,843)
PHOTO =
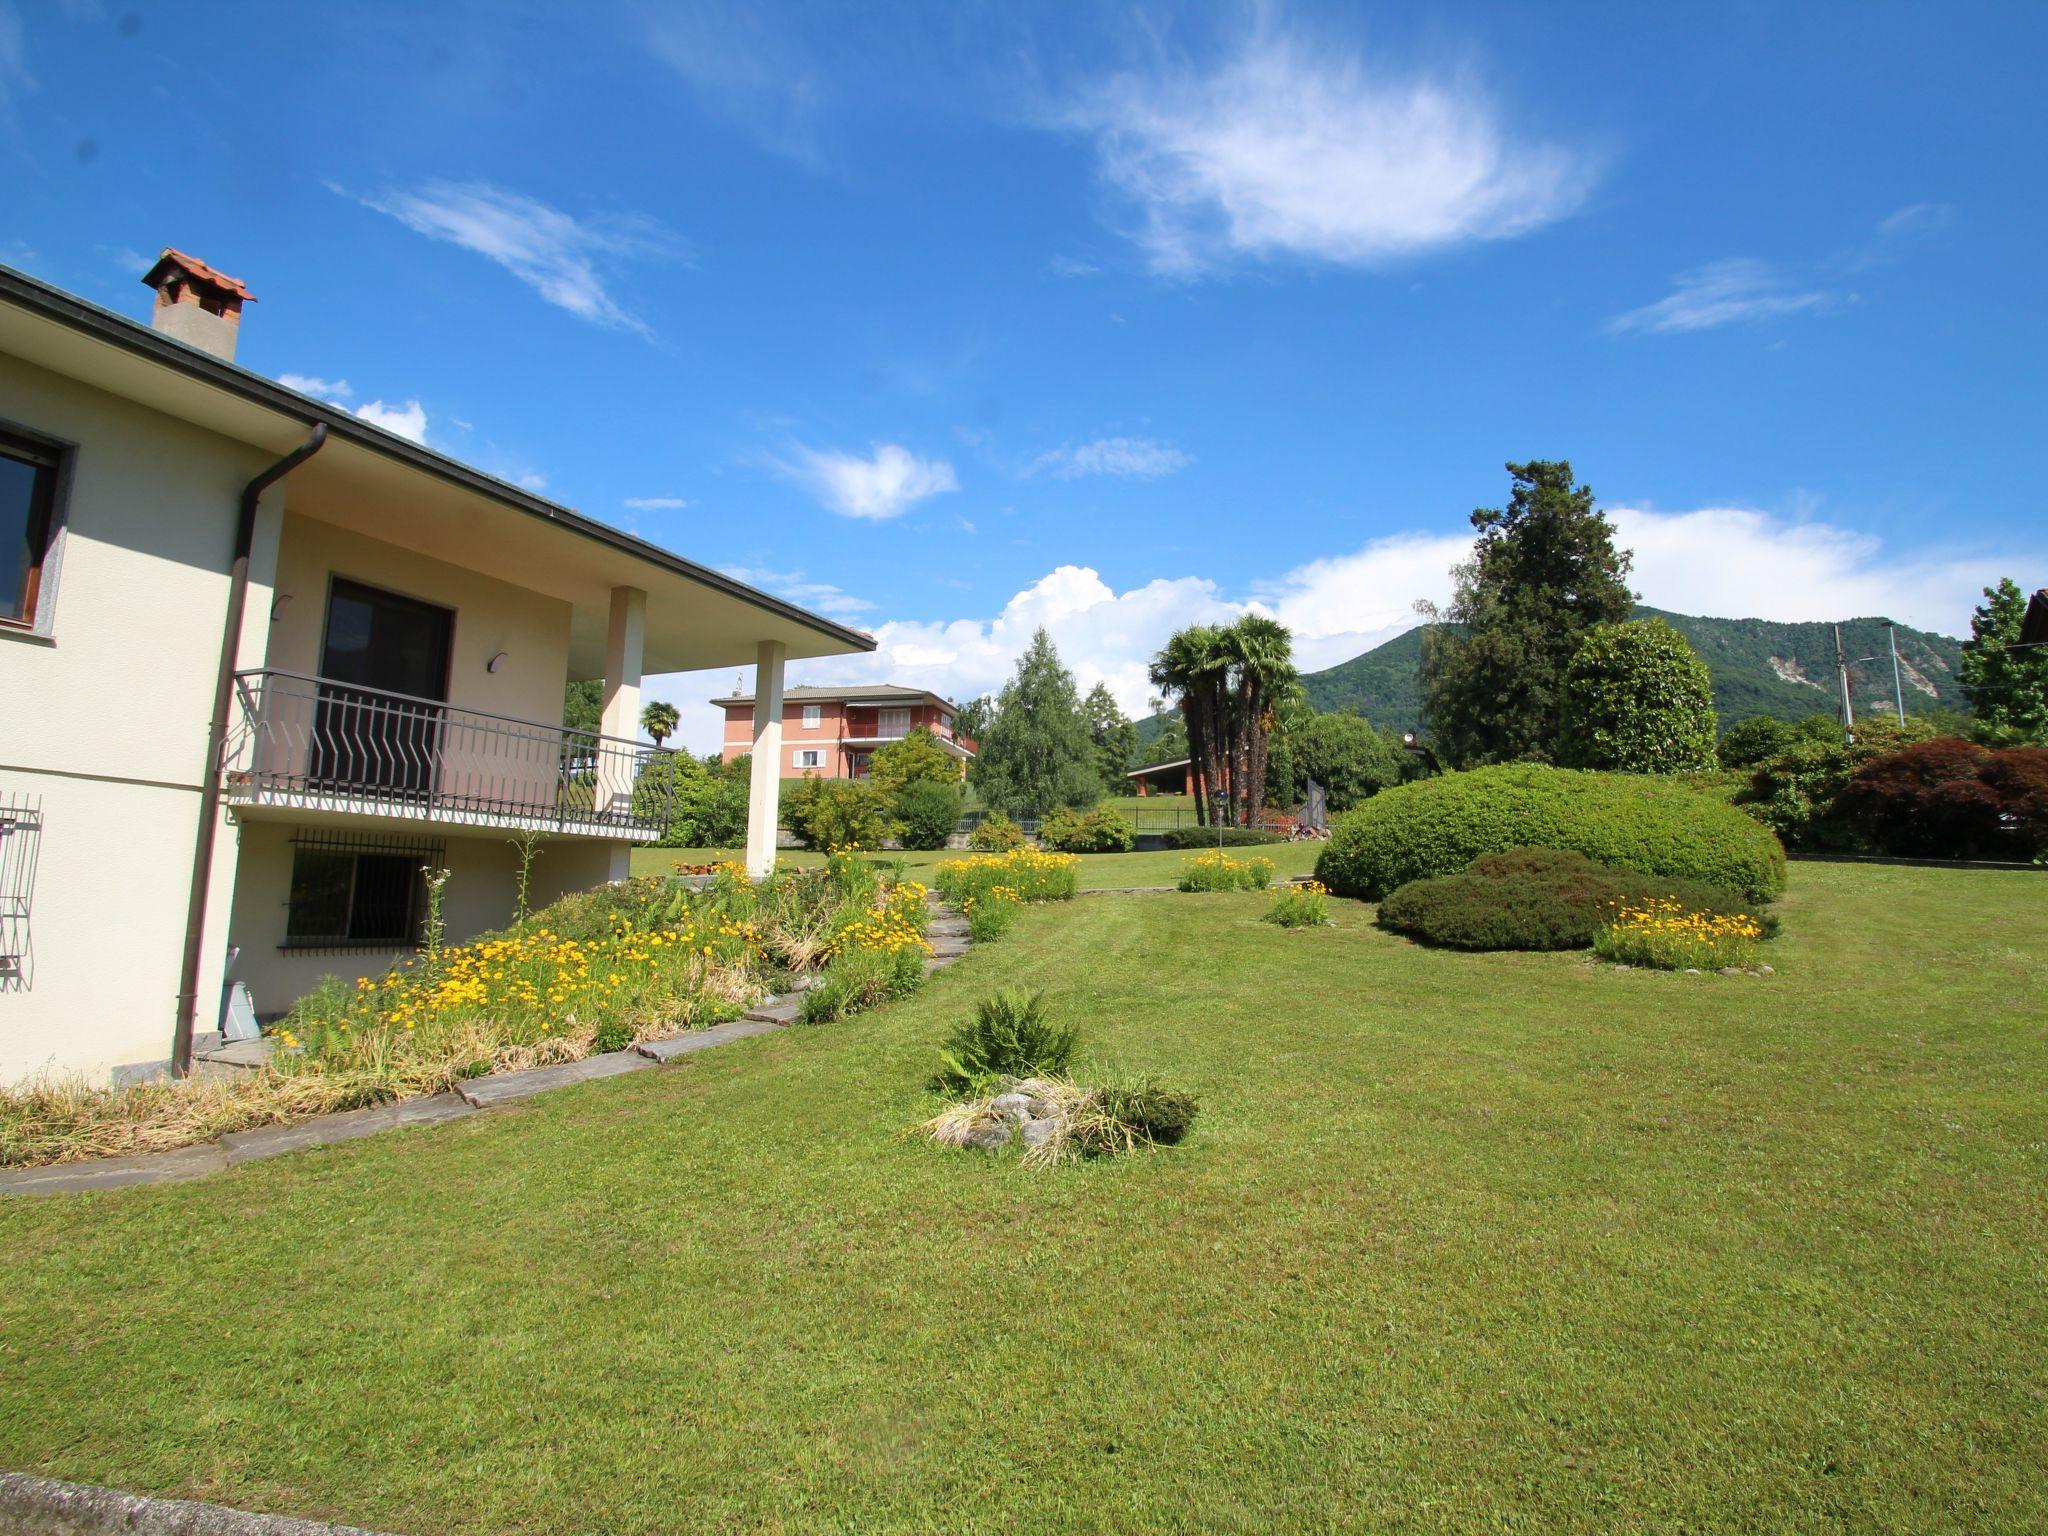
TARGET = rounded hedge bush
(1539,898)
(1653,826)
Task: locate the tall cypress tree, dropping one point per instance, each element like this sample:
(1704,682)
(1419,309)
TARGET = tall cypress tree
(1544,571)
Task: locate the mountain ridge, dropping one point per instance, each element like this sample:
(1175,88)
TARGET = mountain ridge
(1759,666)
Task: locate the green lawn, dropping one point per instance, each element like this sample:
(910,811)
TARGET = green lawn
(1099,871)
(1460,1243)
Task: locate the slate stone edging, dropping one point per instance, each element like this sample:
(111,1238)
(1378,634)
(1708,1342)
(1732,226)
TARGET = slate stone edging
(949,943)
(42,1506)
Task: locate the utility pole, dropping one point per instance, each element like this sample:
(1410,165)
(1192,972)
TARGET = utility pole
(1898,690)
(1842,671)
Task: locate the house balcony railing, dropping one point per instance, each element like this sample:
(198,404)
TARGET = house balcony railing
(314,744)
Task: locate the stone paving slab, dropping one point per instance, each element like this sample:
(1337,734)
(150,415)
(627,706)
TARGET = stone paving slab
(504,1087)
(778,1010)
(324,1130)
(944,948)
(116,1172)
(240,1053)
(42,1506)
(704,1039)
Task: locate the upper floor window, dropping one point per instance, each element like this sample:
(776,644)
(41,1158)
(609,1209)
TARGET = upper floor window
(814,716)
(807,757)
(28,506)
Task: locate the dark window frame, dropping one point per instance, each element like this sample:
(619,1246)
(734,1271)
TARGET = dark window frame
(58,456)
(355,931)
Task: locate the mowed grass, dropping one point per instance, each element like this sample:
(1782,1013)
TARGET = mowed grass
(1099,871)
(1460,1243)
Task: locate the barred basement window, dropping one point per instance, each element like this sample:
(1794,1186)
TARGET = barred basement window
(358,892)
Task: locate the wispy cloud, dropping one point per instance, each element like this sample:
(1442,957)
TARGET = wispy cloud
(1071,266)
(1724,293)
(15,80)
(565,260)
(306,384)
(750,66)
(1290,148)
(886,483)
(820,596)
(408,420)
(656,503)
(1126,458)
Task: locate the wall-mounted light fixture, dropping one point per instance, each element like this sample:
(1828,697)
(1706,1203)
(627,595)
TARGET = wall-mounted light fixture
(495,662)
(277,605)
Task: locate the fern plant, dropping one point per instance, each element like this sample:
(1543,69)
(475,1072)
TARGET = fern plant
(1009,1036)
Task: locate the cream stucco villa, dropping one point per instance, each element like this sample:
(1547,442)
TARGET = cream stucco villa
(260,662)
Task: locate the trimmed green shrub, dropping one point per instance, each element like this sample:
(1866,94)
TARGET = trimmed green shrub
(995,833)
(1797,793)
(1187,838)
(1097,831)
(1539,898)
(1009,1036)
(926,813)
(1637,699)
(1653,826)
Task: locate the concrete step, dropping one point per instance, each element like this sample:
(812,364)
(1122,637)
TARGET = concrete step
(777,1010)
(504,1087)
(704,1039)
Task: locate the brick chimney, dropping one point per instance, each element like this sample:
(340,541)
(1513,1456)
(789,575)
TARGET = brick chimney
(197,305)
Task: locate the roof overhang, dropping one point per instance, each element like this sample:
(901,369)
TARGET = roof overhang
(386,487)
(2034,627)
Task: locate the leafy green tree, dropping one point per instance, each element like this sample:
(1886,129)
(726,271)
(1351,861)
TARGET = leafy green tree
(583,706)
(1544,571)
(1036,754)
(664,790)
(2007,689)
(1192,670)
(926,812)
(659,720)
(917,758)
(972,718)
(1347,756)
(836,813)
(1637,700)
(1115,738)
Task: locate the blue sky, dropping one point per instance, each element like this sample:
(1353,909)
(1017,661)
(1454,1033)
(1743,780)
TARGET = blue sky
(954,319)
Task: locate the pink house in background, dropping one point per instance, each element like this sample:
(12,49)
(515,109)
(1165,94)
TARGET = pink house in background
(831,732)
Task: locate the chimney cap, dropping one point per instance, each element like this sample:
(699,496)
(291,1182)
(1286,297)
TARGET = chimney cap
(174,261)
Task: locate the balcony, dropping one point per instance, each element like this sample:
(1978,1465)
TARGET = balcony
(312,744)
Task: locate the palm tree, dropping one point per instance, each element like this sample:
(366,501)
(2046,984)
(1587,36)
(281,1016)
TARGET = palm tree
(1261,656)
(659,720)
(1193,669)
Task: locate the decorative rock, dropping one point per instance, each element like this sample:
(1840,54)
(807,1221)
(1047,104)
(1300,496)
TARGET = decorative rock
(1731,970)
(1011,1106)
(1038,1132)
(1692,970)
(1765,970)
(1039,1109)
(988,1136)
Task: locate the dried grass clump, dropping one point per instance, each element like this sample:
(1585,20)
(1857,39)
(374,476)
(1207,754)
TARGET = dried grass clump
(1113,1120)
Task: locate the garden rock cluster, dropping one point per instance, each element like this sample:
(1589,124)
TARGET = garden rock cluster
(1031,1109)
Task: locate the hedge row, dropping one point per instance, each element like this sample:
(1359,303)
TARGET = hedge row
(1654,826)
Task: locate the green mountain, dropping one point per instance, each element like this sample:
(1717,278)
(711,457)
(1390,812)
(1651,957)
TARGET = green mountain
(1759,667)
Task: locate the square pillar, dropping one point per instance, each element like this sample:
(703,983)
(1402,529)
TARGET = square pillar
(625,637)
(764,784)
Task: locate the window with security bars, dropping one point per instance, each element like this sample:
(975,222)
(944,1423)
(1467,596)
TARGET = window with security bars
(358,893)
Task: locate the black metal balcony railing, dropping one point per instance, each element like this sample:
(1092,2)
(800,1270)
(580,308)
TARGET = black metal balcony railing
(317,744)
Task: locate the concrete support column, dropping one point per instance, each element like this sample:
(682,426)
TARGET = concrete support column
(625,638)
(764,798)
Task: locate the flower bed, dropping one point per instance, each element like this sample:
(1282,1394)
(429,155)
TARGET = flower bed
(1029,874)
(1670,936)
(597,971)
(1218,871)
(1306,905)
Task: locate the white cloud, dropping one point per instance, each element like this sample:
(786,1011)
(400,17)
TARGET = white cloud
(750,66)
(1341,605)
(884,485)
(1071,266)
(656,503)
(561,258)
(1128,458)
(1290,148)
(408,420)
(818,596)
(1724,293)
(335,390)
